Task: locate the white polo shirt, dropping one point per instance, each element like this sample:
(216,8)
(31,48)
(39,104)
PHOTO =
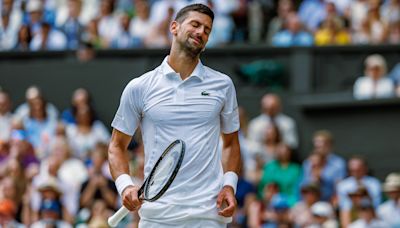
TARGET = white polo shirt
(195,110)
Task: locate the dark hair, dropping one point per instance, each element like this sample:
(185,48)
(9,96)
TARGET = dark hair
(182,14)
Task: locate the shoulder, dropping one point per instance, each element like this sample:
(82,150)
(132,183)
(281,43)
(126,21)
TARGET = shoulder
(143,79)
(138,86)
(218,76)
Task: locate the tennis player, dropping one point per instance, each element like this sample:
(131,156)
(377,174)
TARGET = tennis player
(182,99)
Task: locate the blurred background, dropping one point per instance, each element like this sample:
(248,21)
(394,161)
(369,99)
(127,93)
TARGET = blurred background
(317,84)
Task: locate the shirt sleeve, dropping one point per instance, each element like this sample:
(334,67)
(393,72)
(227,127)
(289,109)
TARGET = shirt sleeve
(230,113)
(128,115)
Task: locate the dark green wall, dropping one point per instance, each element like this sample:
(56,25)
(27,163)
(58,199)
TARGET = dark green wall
(317,92)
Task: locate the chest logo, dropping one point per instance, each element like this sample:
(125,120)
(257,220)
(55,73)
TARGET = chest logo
(205,93)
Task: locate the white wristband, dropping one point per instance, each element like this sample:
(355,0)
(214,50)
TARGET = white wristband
(123,181)
(231,179)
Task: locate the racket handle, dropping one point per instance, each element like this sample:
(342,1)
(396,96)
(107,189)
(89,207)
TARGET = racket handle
(117,216)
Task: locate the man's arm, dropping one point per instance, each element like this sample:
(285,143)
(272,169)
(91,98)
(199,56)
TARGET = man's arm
(226,200)
(119,167)
(231,152)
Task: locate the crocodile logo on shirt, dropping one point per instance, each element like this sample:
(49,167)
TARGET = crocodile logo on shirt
(205,93)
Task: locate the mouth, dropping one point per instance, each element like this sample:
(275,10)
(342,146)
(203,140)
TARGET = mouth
(196,41)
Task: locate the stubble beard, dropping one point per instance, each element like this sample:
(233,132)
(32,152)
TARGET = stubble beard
(190,49)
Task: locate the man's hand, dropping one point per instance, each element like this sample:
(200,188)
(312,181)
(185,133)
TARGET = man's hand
(226,202)
(130,198)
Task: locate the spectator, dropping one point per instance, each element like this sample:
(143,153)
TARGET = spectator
(21,149)
(34,8)
(390,210)
(49,39)
(13,189)
(159,35)
(141,25)
(312,13)
(72,170)
(394,32)
(40,128)
(357,13)
(358,170)
(10,21)
(92,37)
(323,216)
(124,39)
(223,27)
(260,211)
(85,52)
(283,172)
(32,93)
(367,217)
(356,196)
(80,99)
(50,215)
(374,84)
(46,186)
(5,116)
(72,27)
(331,31)
(86,133)
(271,114)
(324,166)
(99,214)
(72,9)
(98,186)
(107,23)
(377,26)
(7,213)
(24,38)
(285,7)
(390,11)
(267,152)
(301,213)
(279,216)
(293,35)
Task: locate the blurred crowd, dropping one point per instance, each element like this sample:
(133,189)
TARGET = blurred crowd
(32,25)
(54,171)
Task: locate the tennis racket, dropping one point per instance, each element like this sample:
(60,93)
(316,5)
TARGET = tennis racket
(159,179)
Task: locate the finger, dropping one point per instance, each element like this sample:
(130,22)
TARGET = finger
(220,199)
(229,209)
(128,204)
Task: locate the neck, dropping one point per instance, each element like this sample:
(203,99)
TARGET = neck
(182,62)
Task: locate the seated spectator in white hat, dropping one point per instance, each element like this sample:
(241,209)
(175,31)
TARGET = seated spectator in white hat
(390,210)
(323,216)
(367,217)
(374,84)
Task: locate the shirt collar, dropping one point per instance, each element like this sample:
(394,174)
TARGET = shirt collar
(197,72)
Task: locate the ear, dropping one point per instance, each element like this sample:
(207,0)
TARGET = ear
(173,28)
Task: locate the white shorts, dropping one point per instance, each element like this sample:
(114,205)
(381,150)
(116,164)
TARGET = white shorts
(194,223)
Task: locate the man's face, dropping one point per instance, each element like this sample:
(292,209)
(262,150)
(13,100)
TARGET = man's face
(322,145)
(193,32)
(357,168)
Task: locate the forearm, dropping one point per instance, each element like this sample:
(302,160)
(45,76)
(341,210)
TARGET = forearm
(231,157)
(118,161)
(231,160)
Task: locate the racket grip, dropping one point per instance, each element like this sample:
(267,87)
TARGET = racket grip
(117,216)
